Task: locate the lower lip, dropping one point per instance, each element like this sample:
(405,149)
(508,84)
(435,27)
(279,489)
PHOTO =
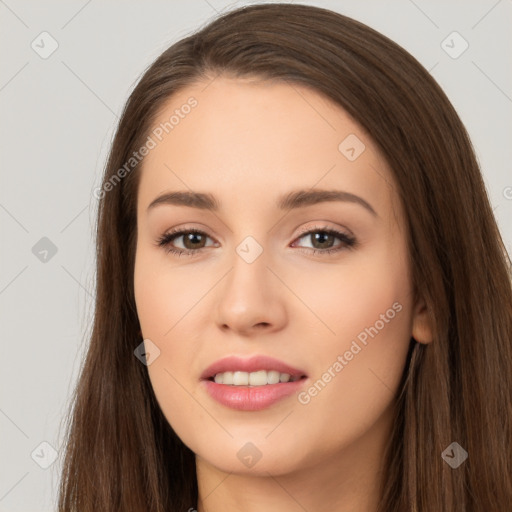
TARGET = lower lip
(245,398)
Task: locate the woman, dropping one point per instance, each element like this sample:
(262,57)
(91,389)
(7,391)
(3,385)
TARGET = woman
(303,299)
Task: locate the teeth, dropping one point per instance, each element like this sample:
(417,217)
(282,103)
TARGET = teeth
(259,378)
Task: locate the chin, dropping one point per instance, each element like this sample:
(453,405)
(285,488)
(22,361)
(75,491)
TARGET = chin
(252,458)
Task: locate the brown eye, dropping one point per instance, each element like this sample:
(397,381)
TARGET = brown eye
(193,241)
(323,240)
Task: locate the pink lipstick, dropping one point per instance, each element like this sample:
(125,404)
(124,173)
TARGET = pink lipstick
(251,384)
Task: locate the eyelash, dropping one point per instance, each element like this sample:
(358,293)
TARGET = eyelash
(348,242)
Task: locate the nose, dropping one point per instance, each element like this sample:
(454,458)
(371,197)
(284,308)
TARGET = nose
(251,299)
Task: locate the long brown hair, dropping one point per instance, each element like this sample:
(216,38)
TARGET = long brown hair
(121,452)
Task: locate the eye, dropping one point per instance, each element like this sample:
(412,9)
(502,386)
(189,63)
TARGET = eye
(322,240)
(194,240)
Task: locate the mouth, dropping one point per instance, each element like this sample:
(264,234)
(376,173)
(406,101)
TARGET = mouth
(258,370)
(254,379)
(251,384)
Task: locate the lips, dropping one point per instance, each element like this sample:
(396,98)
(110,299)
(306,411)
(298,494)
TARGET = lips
(253,364)
(247,397)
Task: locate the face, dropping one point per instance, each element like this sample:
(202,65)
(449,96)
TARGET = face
(322,285)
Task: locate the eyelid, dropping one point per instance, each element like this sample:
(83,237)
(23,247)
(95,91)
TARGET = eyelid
(323,227)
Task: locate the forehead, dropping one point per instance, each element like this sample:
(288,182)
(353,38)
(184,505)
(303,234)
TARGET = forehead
(257,137)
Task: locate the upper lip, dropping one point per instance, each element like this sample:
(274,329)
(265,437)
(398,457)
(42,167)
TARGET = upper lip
(252,364)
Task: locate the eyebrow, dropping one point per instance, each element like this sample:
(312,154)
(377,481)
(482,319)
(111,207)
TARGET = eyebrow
(292,200)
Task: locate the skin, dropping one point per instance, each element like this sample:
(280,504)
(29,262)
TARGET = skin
(248,142)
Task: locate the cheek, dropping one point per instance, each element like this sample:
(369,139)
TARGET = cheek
(164,300)
(346,298)
(163,295)
(361,354)
(359,374)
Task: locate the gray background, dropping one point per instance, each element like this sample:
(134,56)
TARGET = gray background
(58,116)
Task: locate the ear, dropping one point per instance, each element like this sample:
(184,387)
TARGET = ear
(421,324)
